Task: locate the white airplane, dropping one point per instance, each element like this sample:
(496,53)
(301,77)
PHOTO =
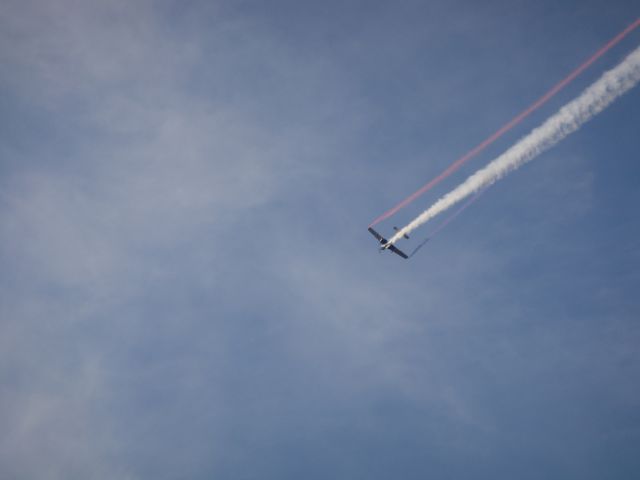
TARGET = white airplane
(385,243)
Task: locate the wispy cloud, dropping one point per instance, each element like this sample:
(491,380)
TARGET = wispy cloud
(184,293)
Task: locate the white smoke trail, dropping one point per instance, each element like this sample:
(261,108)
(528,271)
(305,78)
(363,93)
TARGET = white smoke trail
(567,120)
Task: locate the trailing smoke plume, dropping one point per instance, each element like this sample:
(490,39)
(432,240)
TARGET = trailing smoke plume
(567,120)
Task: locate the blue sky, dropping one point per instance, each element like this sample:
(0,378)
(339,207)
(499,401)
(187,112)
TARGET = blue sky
(188,286)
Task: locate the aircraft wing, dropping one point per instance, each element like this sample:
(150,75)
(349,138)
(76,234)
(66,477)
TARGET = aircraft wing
(398,251)
(380,238)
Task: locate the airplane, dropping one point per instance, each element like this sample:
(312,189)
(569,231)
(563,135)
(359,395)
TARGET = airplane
(386,245)
(404,234)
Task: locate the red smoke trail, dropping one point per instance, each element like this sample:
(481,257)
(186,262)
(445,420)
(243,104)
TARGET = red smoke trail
(516,120)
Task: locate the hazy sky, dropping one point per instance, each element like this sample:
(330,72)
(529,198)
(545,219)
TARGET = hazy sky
(188,289)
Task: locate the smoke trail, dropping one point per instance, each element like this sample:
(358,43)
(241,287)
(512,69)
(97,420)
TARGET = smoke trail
(453,216)
(508,126)
(448,220)
(569,118)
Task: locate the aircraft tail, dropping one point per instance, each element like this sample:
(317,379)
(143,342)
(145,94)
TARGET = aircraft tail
(405,235)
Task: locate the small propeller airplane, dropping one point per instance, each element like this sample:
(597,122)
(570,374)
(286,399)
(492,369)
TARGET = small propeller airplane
(385,243)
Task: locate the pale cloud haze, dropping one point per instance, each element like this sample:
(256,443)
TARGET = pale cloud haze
(188,286)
